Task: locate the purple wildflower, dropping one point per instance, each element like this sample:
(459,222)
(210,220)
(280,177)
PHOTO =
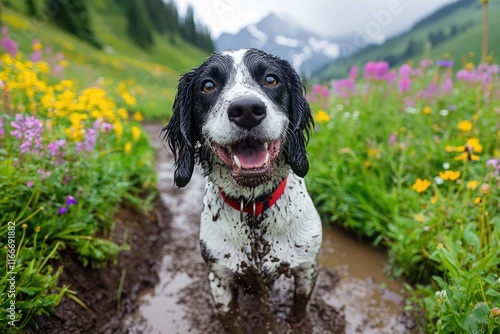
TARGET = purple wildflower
(29,129)
(36,56)
(70,200)
(90,139)
(58,70)
(425,63)
(404,85)
(102,126)
(344,87)
(29,184)
(56,147)
(445,63)
(493,69)
(405,71)
(484,75)
(9,45)
(79,147)
(447,85)
(63,210)
(2,131)
(492,163)
(376,70)
(393,138)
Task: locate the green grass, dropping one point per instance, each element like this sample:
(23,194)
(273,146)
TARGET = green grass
(456,48)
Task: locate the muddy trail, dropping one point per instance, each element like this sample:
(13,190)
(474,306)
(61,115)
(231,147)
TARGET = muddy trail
(160,285)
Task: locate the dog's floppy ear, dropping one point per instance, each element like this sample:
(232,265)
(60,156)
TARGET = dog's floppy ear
(301,122)
(180,133)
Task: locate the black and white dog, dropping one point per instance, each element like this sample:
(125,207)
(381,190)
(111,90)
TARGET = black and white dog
(243,116)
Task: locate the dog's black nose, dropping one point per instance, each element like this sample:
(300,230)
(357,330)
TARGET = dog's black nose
(247,112)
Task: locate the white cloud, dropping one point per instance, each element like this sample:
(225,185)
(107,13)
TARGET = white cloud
(260,36)
(285,41)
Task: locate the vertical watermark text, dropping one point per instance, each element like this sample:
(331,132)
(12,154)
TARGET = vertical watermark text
(11,274)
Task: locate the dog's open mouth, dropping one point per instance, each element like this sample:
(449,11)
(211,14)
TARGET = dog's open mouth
(250,157)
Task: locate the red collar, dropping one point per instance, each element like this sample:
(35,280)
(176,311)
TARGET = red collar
(259,206)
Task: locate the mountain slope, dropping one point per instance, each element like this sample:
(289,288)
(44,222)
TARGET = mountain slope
(305,49)
(154,73)
(455,29)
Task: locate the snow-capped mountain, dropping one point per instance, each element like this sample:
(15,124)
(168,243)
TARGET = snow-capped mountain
(306,50)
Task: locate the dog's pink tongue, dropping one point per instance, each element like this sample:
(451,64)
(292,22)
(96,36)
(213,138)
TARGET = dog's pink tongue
(249,156)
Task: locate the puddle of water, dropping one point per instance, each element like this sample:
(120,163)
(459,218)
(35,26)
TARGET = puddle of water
(181,302)
(372,302)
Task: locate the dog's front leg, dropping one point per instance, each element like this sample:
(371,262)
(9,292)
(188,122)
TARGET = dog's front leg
(305,279)
(225,296)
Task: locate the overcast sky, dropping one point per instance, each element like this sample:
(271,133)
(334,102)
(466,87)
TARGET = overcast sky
(328,18)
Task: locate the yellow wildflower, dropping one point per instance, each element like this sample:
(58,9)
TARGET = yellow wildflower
(122,112)
(465,126)
(427,110)
(434,199)
(472,146)
(374,152)
(449,148)
(321,116)
(118,129)
(138,117)
(64,63)
(472,185)
(421,185)
(37,46)
(128,147)
(477,200)
(136,133)
(469,66)
(449,175)
(129,99)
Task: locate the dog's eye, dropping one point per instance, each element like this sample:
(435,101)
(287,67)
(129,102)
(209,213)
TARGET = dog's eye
(270,81)
(208,86)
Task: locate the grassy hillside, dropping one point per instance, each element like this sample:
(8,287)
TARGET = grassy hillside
(466,16)
(151,75)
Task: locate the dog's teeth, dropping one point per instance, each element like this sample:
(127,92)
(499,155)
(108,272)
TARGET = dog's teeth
(229,149)
(266,145)
(237,161)
(268,157)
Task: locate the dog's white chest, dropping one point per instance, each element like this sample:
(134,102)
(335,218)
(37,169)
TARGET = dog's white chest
(284,237)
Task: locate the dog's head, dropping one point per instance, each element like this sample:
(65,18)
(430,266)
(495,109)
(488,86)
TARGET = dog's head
(243,111)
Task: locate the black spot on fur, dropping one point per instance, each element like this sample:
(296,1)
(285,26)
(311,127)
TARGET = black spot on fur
(206,254)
